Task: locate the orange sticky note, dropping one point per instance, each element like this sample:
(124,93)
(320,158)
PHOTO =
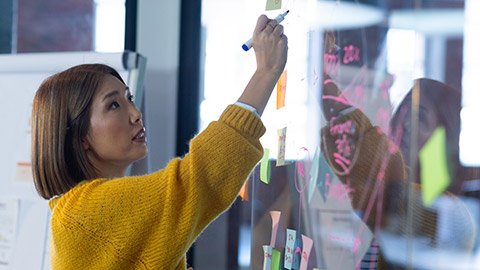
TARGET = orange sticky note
(281,89)
(244,191)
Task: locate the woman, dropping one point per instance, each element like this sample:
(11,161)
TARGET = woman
(87,131)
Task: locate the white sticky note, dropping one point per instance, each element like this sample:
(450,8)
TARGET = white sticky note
(267,257)
(282,134)
(289,248)
(307,248)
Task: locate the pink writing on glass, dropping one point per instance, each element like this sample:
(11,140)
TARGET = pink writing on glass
(352,53)
(341,128)
(383,116)
(385,85)
(339,191)
(343,146)
(301,169)
(305,178)
(354,240)
(330,63)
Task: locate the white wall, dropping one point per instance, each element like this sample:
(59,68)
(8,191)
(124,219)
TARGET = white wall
(158,38)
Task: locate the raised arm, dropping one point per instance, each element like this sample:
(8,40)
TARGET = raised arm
(270,45)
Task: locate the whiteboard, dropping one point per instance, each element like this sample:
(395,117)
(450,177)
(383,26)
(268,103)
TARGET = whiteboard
(20,77)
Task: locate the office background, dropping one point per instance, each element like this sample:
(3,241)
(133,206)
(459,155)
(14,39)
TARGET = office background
(184,86)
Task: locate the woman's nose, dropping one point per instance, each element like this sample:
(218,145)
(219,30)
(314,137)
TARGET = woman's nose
(136,115)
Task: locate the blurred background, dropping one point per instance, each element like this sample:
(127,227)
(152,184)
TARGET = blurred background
(408,66)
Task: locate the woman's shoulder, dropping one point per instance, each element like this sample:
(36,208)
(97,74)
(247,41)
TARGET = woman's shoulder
(74,193)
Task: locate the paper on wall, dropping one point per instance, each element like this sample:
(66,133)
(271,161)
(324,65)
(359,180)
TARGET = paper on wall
(8,226)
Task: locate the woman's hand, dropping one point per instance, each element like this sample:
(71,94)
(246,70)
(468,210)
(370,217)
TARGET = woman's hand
(270,45)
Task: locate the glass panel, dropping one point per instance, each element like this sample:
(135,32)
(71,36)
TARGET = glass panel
(377,174)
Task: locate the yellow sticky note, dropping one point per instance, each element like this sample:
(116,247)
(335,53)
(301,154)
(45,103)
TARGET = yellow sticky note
(281,89)
(273,4)
(282,134)
(434,173)
(265,166)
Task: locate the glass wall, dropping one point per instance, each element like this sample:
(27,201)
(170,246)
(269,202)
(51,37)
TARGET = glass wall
(378,129)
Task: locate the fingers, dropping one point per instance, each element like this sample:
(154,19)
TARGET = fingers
(270,26)
(261,24)
(278,30)
(270,45)
(267,25)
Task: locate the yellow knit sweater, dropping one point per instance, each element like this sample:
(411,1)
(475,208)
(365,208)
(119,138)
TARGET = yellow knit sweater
(150,221)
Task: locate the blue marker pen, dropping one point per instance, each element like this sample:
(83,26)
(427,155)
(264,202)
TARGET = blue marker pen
(247,45)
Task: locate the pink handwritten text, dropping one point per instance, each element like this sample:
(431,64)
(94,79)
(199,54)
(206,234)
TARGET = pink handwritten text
(352,53)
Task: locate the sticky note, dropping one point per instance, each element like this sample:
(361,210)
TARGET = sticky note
(276,256)
(265,166)
(267,257)
(324,174)
(434,173)
(282,134)
(244,192)
(289,248)
(281,89)
(307,248)
(273,4)
(275,219)
(313,174)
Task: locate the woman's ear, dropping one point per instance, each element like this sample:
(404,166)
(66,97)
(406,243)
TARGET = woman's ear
(85,144)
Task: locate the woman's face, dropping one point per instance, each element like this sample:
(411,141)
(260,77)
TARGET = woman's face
(116,136)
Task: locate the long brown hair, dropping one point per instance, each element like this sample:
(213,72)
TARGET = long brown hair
(60,120)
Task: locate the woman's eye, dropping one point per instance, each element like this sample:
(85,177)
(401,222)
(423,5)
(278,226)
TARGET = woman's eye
(114,105)
(131,98)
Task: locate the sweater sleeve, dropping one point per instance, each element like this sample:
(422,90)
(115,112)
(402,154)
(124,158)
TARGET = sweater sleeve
(155,218)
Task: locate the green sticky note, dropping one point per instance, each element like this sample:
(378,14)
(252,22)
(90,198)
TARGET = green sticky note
(274,4)
(276,256)
(265,166)
(434,173)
